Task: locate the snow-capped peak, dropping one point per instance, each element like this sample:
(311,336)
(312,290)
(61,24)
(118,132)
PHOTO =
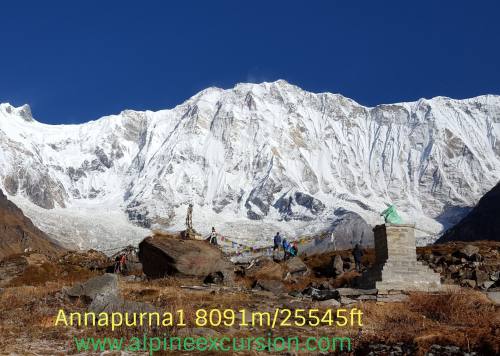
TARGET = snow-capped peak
(252,159)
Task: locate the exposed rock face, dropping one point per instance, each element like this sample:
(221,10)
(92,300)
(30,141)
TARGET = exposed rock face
(348,228)
(17,232)
(482,223)
(167,255)
(300,201)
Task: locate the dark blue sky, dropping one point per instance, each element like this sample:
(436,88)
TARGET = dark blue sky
(74,61)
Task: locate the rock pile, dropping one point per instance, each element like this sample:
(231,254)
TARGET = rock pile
(466,265)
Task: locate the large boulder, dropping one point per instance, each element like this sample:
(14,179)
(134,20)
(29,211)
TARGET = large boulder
(102,295)
(266,269)
(105,284)
(348,227)
(274,286)
(295,265)
(166,255)
(112,303)
(338,265)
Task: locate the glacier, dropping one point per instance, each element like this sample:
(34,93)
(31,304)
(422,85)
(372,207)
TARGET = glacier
(253,160)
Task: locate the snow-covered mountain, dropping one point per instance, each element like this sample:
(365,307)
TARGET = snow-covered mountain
(253,159)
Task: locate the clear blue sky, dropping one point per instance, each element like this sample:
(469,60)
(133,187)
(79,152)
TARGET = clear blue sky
(74,61)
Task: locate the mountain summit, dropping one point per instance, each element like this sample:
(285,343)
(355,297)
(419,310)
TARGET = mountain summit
(253,160)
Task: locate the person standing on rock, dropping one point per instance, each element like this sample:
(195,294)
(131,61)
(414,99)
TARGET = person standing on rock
(286,246)
(212,238)
(357,254)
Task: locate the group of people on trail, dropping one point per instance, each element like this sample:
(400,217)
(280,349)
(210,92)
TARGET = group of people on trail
(289,249)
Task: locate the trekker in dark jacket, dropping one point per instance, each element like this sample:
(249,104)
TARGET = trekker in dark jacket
(357,252)
(277,241)
(117,264)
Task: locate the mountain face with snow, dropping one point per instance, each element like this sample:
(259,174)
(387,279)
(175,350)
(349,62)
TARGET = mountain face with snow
(253,160)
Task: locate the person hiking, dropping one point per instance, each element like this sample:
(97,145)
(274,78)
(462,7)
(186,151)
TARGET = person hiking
(294,249)
(286,247)
(357,253)
(116,268)
(212,238)
(277,241)
(123,263)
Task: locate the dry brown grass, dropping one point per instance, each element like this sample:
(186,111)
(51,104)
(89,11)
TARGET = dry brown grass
(463,318)
(35,275)
(462,307)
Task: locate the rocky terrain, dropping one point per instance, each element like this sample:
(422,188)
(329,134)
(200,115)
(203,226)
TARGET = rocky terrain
(472,265)
(463,320)
(18,234)
(481,223)
(254,159)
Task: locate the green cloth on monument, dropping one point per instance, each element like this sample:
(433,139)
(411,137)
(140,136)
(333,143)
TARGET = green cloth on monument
(391,216)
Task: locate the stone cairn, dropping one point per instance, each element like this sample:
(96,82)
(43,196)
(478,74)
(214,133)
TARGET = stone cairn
(396,266)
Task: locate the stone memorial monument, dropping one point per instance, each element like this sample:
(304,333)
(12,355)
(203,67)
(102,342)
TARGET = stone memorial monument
(396,266)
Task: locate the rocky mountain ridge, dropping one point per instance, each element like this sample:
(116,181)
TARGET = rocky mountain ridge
(481,223)
(18,234)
